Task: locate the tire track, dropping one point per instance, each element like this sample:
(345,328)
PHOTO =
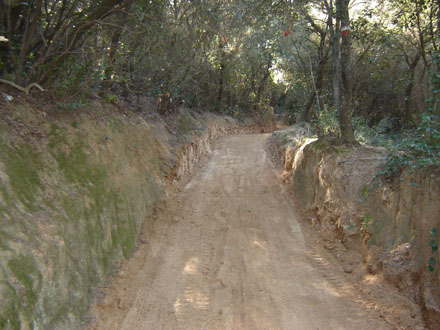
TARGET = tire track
(362,306)
(234,256)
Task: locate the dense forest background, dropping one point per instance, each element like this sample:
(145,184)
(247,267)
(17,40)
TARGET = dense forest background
(363,71)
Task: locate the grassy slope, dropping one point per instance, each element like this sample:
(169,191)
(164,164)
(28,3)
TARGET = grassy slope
(73,193)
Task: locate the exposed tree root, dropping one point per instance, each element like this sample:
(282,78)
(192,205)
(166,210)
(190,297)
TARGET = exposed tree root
(23,89)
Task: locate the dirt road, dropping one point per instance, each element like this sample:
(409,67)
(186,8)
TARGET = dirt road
(229,253)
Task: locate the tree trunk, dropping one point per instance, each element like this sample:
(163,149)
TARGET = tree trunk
(335,37)
(222,74)
(306,115)
(262,84)
(347,133)
(32,22)
(409,89)
(102,11)
(322,59)
(114,44)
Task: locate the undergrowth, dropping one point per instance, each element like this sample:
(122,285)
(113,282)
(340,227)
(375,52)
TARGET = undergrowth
(378,136)
(419,148)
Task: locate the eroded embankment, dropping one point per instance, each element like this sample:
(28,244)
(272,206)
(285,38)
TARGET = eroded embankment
(74,191)
(393,226)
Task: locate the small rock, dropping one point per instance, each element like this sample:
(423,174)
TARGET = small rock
(7,97)
(348,269)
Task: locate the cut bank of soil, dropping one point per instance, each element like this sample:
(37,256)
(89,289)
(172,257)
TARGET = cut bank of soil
(229,252)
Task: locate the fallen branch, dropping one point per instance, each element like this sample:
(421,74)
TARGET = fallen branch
(23,89)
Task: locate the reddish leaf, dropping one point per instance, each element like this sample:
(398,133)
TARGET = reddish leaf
(287,32)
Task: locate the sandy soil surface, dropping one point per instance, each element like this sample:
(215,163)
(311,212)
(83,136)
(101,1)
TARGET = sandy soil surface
(228,252)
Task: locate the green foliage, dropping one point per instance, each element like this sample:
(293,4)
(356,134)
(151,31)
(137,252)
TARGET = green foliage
(365,222)
(73,105)
(185,123)
(72,84)
(234,56)
(414,152)
(234,111)
(295,99)
(380,135)
(111,98)
(327,122)
(365,191)
(434,248)
(433,245)
(420,147)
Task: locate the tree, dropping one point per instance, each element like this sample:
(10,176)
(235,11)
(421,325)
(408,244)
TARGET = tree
(233,56)
(347,133)
(43,33)
(318,75)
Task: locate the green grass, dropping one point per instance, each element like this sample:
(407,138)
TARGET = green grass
(186,123)
(22,164)
(25,270)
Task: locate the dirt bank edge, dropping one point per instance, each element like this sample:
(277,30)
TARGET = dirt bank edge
(389,225)
(75,189)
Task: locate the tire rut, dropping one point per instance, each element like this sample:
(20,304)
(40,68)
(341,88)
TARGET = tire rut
(234,256)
